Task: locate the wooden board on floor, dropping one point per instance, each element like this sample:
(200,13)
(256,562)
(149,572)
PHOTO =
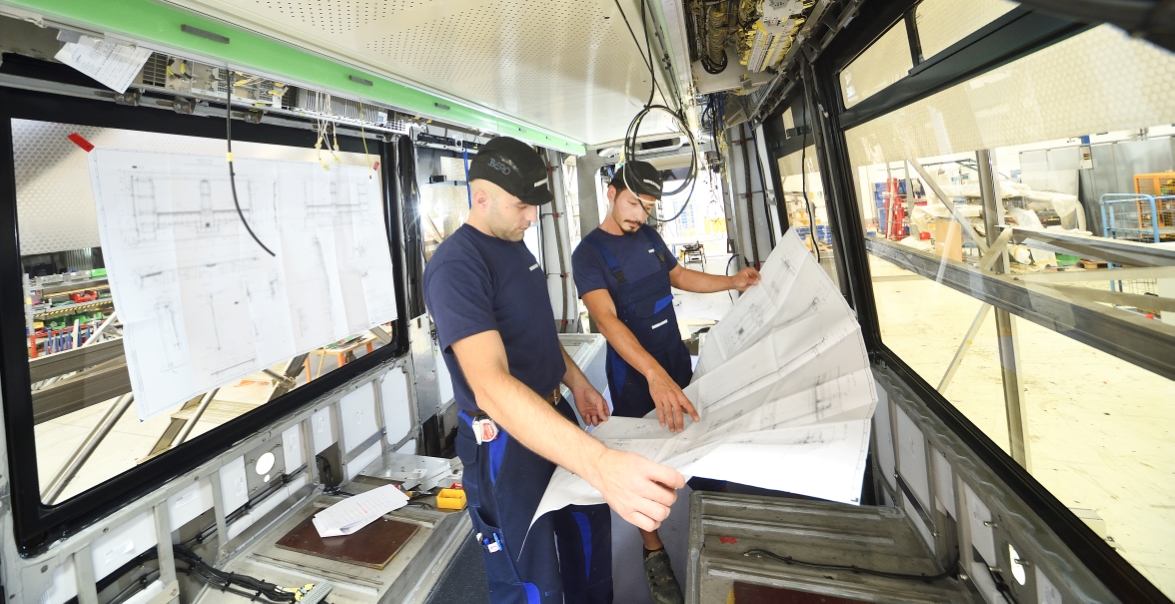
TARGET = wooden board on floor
(372,546)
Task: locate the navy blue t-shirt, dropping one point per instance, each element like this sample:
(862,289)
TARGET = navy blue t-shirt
(476,283)
(636,256)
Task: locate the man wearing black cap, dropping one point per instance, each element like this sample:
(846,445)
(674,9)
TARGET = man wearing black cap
(496,327)
(623,272)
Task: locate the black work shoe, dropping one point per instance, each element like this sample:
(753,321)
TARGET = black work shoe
(659,575)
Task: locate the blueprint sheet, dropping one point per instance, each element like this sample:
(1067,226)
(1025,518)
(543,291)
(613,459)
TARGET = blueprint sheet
(201,302)
(783,389)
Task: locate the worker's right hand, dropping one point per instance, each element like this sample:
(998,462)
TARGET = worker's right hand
(671,402)
(639,489)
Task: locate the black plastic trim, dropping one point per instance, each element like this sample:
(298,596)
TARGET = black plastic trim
(1014,35)
(36,525)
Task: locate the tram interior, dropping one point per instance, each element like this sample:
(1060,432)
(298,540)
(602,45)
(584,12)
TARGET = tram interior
(990,185)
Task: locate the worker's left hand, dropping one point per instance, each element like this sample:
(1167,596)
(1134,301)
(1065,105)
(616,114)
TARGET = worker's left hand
(746,278)
(591,405)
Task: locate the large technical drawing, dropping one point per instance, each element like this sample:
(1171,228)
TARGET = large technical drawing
(783,388)
(201,302)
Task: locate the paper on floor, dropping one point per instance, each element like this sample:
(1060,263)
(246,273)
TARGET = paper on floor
(783,389)
(356,512)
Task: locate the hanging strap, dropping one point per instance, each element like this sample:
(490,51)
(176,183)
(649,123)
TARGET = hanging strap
(613,265)
(660,253)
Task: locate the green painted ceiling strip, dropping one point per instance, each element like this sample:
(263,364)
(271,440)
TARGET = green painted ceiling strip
(161,24)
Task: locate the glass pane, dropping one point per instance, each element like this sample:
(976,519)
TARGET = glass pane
(803,194)
(79,295)
(944,22)
(885,62)
(1081,145)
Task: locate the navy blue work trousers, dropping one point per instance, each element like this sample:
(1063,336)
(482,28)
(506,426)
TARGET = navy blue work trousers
(566,556)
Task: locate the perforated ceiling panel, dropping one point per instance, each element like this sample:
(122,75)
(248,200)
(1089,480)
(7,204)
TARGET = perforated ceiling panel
(569,66)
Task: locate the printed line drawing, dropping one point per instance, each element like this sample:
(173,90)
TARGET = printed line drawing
(200,300)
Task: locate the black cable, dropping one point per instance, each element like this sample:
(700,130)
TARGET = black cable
(639,50)
(727,273)
(649,48)
(330,487)
(763,186)
(951,570)
(232,176)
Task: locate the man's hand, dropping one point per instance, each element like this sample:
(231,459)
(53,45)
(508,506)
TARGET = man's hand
(670,401)
(640,490)
(591,405)
(744,279)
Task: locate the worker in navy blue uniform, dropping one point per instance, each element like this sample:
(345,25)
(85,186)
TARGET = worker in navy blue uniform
(623,272)
(489,301)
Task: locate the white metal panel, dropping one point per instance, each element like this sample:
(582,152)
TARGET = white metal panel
(356,465)
(64,586)
(444,378)
(1046,592)
(986,585)
(923,530)
(322,430)
(568,66)
(357,416)
(912,458)
(981,536)
(120,545)
(234,488)
(409,447)
(884,438)
(944,491)
(186,505)
(143,597)
(397,405)
(292,448)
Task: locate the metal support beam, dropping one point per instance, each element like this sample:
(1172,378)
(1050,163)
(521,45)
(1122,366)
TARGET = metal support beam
(79,457)
(1116,298)
(557,258)
(1013,403)
(1009,346)
(1117,274)
(192,421)
(964,347)
(1118,251)
(963,221)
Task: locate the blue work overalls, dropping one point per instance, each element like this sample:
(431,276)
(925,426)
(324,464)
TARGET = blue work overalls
(646,308)
(565,557)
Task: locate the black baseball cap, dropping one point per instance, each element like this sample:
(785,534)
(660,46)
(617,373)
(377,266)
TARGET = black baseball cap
(640,176)
(515,166)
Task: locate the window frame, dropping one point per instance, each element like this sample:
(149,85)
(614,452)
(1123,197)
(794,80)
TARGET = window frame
(1017,34)
(36,525)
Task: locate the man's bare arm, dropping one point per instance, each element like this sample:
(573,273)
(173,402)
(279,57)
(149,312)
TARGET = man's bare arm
(640,490)
(671,402)
(591,405)
(704,283)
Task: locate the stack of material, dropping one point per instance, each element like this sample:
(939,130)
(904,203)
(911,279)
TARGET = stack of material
(783,388)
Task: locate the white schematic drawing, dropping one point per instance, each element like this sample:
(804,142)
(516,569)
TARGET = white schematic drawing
(783,389)
(202,303)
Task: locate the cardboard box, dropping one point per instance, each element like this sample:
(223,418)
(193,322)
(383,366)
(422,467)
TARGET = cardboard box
(948,239)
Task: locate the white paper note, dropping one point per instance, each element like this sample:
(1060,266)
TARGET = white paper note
(358,511)
(114,65)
